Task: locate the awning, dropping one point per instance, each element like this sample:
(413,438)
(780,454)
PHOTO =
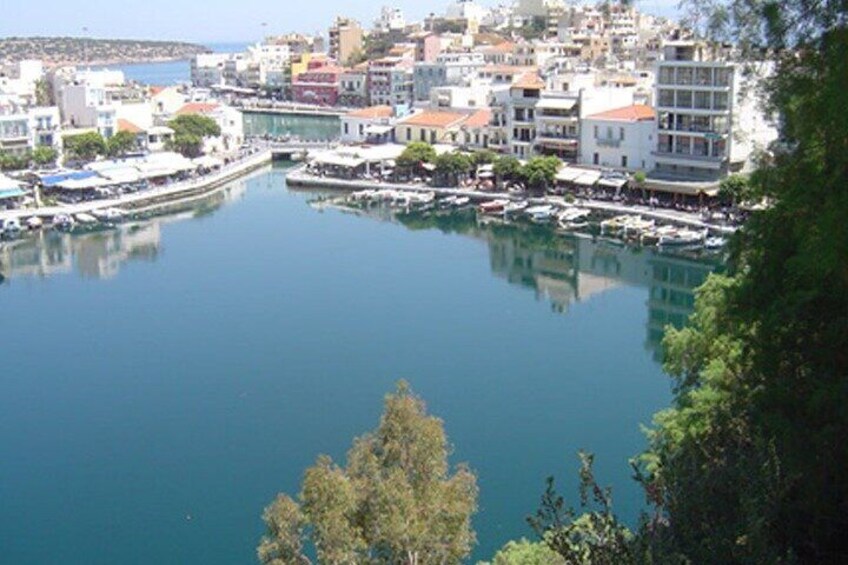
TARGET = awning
(207,161)
(612,182)
(51,180)
(556,103)
(588,178)
(568,174)
(8,184)
(11,193)
(121,174)
(83,184)
(337,160)
(378,130)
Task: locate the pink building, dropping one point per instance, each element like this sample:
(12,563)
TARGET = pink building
(427,46)
(318,85)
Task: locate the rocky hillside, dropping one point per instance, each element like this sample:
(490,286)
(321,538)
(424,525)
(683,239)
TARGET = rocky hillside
(76,50)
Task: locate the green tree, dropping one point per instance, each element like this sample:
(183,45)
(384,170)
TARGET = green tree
(121,143)
(451,167)
(396,501)
(484,157)
(539,172)
(639,178)
(414,156)
(748,462)
(44,155)
(14,162)
(189,132)
(507,169)
(735,189)
(85,146)
(525,552)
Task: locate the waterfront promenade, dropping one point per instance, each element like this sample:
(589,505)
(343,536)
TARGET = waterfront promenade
(299,177)
(155,196)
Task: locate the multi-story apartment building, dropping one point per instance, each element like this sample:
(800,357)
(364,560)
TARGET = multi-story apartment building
(345,39)
(24,128)
(449,69)
(621,138)
(318,85)
(390,81)
(353,86)
(708,123)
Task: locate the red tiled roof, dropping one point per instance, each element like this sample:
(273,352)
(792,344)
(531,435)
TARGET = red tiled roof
(372,112)
(634,113)
(126,125)
(529,80)
(154,90)
(479,119)
(434,119)
(197,108)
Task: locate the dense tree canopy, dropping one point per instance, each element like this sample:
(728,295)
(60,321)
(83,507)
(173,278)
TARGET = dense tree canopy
(190,131)
(396,501)
(539,172)
(44,155)
(415,154)
(452,166)
(121,143)
(85,146)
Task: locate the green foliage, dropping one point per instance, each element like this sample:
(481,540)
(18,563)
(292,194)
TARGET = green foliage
(415,154)
(44,155)
(85,146)
(748,464)
(639,177)
(189,132)
(524,552)
(484,157)
(453,165)
(13,162)
(395,502)
(507,168)
(735,189)
(595,536)
(539,172)
(121,143)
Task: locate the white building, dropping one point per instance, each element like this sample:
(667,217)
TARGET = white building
(708,123)
(391,19)
(375,123)
(449,69)
(24,128)
(622,138)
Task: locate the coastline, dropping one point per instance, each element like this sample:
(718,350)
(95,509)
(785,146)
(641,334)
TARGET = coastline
(155,197)
(298,177)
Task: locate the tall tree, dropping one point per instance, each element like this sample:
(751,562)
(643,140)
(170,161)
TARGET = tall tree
(85,146)
(189,132)
(121,143)
(396,501)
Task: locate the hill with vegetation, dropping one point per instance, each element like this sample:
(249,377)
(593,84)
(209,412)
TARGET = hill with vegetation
(56,51)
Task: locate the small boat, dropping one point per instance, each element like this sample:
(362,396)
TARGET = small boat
(681,238)
(34,223)
(515,206)
(636,226)
(652,236)
(12,226)
(461,202)
(715,242)
(615,226)
(493,206)
(540,214)
(108,215)
(63,221)
(573,218)
(447,202)
(86,219)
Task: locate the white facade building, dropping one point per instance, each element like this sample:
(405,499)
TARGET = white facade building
(621,138)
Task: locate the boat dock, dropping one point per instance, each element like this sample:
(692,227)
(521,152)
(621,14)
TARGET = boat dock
(298,177)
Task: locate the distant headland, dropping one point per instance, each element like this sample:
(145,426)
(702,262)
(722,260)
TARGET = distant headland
(57,51)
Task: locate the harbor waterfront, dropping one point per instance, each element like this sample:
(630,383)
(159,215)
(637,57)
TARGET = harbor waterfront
(202,378)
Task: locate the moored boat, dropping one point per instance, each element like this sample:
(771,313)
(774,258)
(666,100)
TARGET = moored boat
(493,206)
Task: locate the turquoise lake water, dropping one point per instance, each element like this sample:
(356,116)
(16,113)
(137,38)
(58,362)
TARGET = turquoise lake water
(163,381)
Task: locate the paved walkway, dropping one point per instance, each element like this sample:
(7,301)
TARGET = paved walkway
(298,177)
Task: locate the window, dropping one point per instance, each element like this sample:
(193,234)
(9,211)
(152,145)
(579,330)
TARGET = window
(624,161)
(596,132)
(423,135)
(433,136)
(346,129)
(595,159)
(409,134)
(361,129)
(621,134)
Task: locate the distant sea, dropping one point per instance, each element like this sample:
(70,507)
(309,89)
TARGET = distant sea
(169,73)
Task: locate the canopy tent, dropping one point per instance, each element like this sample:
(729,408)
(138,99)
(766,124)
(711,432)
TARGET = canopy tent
(588,178)
(16,192)
(207,161)
(119,175)
(568,174)
(8,184)
(54,179)
(83,184)
(338,159)
(612,182)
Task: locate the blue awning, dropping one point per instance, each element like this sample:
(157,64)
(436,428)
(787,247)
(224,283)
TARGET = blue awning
(11,193)
(51,180)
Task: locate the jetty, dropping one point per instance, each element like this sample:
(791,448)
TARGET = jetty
(298,177)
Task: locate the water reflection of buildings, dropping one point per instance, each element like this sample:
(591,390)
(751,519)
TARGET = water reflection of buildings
(95,255)
(100,254)
(567,270)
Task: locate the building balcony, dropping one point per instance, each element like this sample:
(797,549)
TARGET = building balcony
(608,142)
(704,131)
(689,159)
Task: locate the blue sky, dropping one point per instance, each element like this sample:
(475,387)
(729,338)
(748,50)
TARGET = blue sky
(209,20)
